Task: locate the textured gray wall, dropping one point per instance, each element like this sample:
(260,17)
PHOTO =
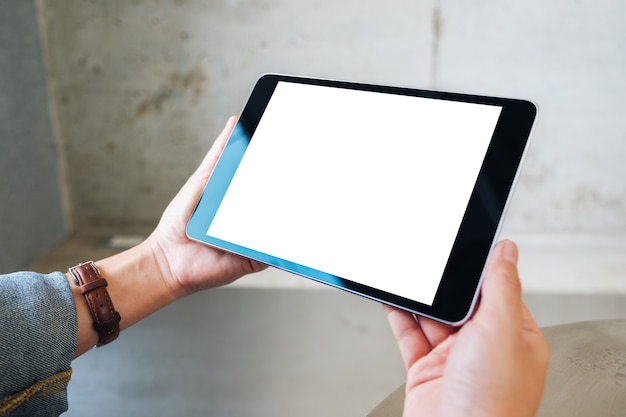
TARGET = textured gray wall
(31,216)
(142,87)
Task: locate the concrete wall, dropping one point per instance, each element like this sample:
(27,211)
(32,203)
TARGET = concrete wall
(140,89)
(31,215)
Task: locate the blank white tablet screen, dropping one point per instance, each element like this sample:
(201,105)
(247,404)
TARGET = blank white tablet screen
(370,187)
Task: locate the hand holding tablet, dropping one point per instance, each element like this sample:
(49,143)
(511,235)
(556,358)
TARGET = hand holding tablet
(394,194)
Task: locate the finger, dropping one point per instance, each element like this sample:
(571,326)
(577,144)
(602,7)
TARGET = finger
(435,331)
(501,293)
(408,334)
(210,159)
(185,200)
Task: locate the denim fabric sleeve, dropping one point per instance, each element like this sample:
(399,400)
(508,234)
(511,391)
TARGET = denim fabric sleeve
(38,337)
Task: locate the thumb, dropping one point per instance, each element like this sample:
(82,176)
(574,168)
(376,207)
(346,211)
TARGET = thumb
(208,163)
(501,291)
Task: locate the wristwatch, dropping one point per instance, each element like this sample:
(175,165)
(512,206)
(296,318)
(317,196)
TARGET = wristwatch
(93,287)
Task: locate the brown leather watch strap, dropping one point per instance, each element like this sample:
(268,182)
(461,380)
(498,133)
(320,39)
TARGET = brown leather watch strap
(91,284)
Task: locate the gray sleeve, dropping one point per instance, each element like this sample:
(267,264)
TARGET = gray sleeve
(38,338)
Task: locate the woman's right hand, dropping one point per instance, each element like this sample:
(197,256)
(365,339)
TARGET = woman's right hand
(494,365)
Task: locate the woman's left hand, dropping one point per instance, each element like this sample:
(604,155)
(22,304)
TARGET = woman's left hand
(188,266)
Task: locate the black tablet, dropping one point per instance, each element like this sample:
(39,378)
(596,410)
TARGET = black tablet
(391,193)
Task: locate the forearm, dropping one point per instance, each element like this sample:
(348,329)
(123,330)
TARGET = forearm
(136,288)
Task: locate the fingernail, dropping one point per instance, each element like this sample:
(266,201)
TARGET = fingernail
(509,251)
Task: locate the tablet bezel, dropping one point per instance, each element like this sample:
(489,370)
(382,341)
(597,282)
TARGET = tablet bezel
(458,288)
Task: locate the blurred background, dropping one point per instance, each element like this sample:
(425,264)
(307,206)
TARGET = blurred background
(106,107)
